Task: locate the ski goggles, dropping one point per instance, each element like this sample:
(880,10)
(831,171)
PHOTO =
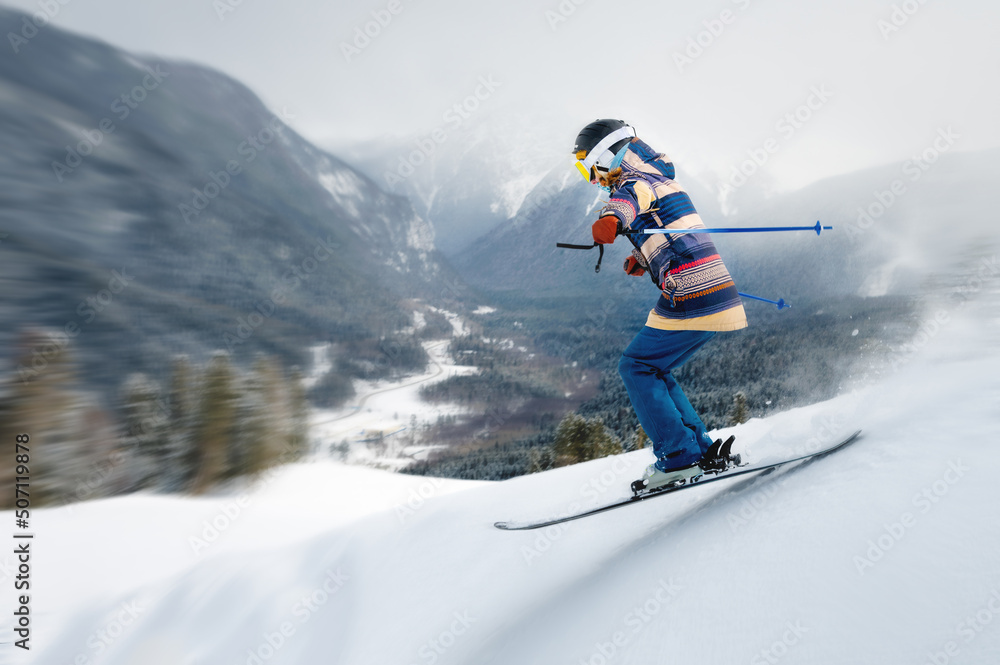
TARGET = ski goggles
(601,155)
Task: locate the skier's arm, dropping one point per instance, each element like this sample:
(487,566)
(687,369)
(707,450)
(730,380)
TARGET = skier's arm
(629,202)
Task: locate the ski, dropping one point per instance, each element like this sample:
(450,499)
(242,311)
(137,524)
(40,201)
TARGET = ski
(514,526)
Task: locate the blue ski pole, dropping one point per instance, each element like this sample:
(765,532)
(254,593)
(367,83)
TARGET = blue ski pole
(780,303)
(747,229)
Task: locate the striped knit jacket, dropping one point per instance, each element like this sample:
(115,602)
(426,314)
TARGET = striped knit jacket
(697,292)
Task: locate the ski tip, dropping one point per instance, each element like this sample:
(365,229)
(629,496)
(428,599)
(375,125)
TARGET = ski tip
(522,526)
(854,436)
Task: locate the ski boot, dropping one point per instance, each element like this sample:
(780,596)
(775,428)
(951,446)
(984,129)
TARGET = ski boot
(719,457)
(654,479)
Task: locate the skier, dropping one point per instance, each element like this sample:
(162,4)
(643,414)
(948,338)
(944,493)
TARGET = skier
(698,297)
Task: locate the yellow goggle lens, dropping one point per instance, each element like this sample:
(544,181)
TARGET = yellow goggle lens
(584,171)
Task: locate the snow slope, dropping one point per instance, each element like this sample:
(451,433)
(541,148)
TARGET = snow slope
(886,552)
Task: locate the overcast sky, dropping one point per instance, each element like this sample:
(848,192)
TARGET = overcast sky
(879,94)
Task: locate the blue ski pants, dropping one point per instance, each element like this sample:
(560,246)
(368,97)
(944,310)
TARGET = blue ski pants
(677,433)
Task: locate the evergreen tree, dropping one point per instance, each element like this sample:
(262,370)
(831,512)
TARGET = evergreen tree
(44,402)
(183,409)
(271,438)
(216,426)
(740,412)
(579,440)
(298,436)
(146,430)
(540,459)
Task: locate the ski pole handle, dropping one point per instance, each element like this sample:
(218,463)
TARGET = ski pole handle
(600,256)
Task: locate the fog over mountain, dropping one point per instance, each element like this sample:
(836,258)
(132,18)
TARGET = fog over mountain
(707,82)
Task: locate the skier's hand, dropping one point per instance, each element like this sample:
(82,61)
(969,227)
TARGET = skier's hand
(633,267)
(605,230)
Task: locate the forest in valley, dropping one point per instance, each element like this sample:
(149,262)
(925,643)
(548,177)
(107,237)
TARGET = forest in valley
(784,359)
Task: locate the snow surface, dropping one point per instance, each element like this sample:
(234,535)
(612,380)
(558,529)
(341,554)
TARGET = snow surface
(886,552)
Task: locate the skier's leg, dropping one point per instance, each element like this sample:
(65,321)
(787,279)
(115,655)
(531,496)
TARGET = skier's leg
(688,415)
(643,367)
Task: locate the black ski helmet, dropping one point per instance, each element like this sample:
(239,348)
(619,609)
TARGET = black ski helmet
(591,135)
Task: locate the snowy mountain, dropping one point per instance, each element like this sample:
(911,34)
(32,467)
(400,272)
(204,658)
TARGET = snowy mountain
(470,174)
(883,552)
(171,197)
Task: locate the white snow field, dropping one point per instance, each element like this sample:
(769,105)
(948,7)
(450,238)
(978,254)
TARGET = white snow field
(885,552)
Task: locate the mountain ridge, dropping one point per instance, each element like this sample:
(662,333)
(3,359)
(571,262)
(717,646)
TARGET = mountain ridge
(180,176)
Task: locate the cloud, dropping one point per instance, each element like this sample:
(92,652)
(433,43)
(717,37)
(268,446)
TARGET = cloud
(757,60)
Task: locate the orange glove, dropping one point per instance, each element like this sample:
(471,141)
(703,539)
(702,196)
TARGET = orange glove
(605,230)
(633,267)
